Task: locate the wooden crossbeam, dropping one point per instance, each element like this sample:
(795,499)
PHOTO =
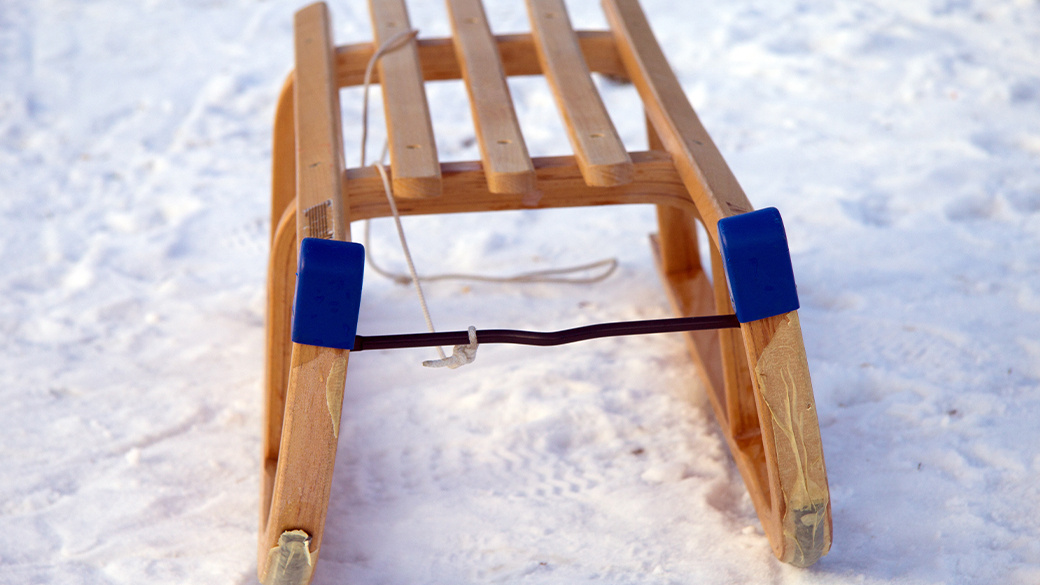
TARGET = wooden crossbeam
(437,57)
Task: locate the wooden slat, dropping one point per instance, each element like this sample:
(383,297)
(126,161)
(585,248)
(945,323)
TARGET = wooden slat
(705,172)
(413,153)
(600,153)
(507,163)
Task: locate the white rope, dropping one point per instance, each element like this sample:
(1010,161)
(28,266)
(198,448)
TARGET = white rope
(460,355)
(407,252)
(394,42)
(548,276)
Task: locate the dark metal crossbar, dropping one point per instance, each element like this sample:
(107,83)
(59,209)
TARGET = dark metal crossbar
(550,338)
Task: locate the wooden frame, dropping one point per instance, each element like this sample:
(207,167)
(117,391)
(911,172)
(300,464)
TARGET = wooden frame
(757,377)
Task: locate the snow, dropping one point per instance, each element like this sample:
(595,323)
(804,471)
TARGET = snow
(901,141)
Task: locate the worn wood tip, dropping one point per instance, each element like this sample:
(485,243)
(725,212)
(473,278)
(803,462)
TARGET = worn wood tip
(417,187)
(291,562)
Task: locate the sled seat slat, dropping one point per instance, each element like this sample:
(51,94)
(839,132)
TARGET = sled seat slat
(601,155)
(413,152)
(507,164)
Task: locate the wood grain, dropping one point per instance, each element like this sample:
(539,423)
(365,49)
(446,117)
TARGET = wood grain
(676,228)
(791,432)
(319,144)
(299,473)
(560,184)
(507,163)
(601,155)
(757,377)
(689,293)
(283,154)
(741,408)
(281,282)
(307,452)
(413,151)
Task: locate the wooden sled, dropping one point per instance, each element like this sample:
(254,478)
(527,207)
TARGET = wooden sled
(757,377)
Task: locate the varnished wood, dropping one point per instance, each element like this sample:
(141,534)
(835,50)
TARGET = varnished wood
(677,253)
(507,164)
(281,280)
(319,144)
(439,63)
(299,473)
(413,152)
(601,155)
(680,251)
(560,184)
(283,155)
(741,409)
(791,431)
(307,453)
(691,292)
(676,228)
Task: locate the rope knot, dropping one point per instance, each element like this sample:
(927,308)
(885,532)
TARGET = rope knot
(460,354)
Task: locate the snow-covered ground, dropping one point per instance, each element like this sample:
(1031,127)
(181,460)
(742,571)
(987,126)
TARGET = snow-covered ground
(901,141)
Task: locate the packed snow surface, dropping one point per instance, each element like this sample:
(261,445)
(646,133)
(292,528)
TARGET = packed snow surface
(900,140)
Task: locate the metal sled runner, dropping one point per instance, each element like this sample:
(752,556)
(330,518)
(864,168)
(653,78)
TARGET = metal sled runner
(754,369)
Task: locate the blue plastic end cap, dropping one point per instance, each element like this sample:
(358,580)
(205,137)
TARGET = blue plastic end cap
(328,293)
(758,264)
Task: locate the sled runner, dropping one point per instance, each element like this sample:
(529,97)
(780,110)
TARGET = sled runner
(752,364)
